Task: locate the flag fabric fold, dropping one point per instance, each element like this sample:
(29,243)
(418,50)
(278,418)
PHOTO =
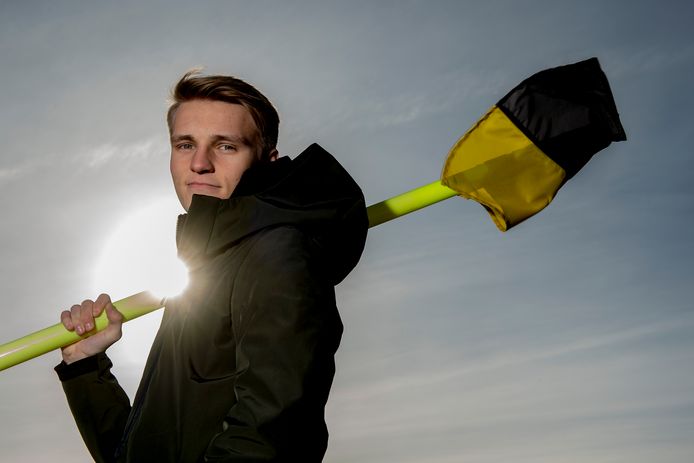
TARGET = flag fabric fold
(517,156)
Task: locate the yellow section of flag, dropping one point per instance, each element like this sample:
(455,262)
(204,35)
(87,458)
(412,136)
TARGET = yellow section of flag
(495,164)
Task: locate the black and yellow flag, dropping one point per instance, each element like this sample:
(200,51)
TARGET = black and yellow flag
(538,136)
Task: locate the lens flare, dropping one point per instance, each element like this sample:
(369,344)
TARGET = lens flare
(140,254)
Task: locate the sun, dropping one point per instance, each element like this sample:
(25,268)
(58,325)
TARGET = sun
(140,255)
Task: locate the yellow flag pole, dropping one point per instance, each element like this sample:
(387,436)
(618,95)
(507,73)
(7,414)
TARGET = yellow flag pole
(53,337)
(56,336)
(413,200)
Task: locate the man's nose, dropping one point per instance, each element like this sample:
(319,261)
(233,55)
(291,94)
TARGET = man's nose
(202,161)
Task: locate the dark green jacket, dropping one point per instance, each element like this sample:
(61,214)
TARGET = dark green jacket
(243,361)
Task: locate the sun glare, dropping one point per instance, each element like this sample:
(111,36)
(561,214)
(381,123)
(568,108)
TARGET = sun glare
(140,254)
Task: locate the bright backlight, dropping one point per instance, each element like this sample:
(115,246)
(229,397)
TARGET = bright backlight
(140,254)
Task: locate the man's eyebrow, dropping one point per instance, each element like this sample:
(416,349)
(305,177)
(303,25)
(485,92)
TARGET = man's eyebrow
(215,138)
(176,138)
(231,138)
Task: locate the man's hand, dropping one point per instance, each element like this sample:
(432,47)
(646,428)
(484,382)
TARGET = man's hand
(80,319)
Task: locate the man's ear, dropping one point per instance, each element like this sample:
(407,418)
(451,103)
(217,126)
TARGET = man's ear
(274,154)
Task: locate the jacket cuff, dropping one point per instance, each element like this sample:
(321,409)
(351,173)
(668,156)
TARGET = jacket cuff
(98,362)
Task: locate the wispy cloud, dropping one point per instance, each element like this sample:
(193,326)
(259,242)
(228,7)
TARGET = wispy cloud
(449,91)
(6,174)
(420,99)
(93,158)
(504,360)
(109,153)
(494,407)
(650,59)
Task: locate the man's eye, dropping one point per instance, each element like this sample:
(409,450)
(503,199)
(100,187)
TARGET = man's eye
(226,147)
(184,146)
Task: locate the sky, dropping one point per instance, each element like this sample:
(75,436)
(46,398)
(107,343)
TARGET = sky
(564,340)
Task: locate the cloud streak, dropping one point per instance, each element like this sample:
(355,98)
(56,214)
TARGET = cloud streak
(127,154)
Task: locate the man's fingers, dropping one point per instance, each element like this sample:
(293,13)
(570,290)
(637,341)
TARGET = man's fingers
(86,315)
(104,302)
(100,304)
(81,317)
(76,317)
(66,320)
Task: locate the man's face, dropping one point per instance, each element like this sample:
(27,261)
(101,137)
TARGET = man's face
(212,145)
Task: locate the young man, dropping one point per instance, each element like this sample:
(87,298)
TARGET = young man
(243,361)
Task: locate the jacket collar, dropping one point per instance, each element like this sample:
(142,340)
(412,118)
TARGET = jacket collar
(312,192)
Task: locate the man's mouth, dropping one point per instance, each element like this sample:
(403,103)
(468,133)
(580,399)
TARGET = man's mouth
(202,185)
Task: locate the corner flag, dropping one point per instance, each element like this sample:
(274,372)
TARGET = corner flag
(538,136)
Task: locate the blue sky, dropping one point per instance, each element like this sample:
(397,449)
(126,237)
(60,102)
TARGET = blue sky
(567,339)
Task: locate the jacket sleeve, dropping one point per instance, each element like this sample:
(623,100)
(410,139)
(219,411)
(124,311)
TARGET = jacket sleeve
(97,402)
(287,330)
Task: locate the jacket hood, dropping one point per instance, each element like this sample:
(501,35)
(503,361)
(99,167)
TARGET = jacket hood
(313,192)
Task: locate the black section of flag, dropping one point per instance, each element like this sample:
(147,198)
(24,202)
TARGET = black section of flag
(568,112)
